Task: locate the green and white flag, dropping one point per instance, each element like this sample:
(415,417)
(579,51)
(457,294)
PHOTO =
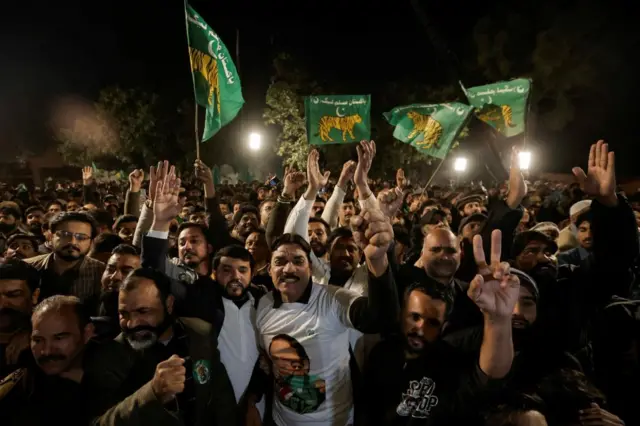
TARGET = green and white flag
(338,119)
(430,128)
(215,78)
(502,105)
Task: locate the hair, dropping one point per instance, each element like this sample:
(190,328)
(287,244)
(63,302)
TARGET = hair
(20,236)
(106,243)
(83,217)
(586,216)
(300,351)
(125,218)
(159,279)
(327,228)
(46,219)
(341,232)
(234,251)
(244,209)
(56,201)
(126,249)
(32,209)
(102,217)
(292,239)
(15,269)
(434,292)
(320,200)
(203,228)
(349,199)
(401,235)
(58,302)
(266,200)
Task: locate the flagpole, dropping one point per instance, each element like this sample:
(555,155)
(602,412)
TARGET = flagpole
(193,82)
(432,176)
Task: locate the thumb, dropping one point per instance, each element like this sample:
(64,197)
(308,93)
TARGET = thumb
(327,174)
(399,192)
(579,174)
(594,405)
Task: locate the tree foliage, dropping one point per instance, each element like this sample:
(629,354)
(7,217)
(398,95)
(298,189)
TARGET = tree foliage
(127,127)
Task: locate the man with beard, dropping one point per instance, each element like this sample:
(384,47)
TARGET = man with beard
(584,235)
(21,246)
(245,220)
(18,294)
(34,216)
(256,244)
(9,218)
(572,296)
(152,334)
(319,318)
(125,227)
(318,236)
(74,378)
(233,267)
(124,259)
(68,270)
(418,378)
(46,247)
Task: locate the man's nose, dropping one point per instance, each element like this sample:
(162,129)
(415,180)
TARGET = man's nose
(289,267)
(516,309)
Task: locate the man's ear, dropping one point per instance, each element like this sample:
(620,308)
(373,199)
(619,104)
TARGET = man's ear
(34,296)
(169,302)
(88,332)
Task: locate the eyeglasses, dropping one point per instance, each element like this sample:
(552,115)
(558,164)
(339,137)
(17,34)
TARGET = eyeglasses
(66,235)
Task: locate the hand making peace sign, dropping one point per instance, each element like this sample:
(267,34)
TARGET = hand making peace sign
(494,290)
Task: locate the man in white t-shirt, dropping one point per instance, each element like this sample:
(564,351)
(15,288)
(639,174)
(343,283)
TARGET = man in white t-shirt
(303,326)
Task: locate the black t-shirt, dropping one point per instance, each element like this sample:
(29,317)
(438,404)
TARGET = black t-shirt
(442,387)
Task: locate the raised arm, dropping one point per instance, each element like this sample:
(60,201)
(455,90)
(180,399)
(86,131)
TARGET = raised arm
(132,198)
(380,309)
(330,213)
(615,233)
(495,291)
(220,236)
(366,153)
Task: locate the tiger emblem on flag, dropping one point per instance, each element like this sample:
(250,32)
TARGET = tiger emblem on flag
(430,129)
(507,115)
(207,66)
(344,124)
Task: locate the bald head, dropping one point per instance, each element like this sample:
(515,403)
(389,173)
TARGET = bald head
(441,254)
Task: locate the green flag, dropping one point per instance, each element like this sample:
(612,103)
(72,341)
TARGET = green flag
(215,78)
(502,105)
(338,119)
(430,128)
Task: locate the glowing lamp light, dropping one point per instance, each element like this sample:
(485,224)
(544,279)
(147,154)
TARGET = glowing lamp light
(525,160)
(255,141)
(460,165)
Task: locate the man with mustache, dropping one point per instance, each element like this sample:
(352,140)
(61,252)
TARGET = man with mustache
(573,295)
(75,378)
(418,378)
(152,335)
(234,267)
(246,220)
(584,235)
(319,317)
(34,216)
(68,270)
(18,294)
(9,218)
(124,259)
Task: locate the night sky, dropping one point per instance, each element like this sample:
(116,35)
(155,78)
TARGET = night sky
(54,50)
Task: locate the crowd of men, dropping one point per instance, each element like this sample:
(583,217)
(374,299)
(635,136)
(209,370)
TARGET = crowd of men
(320,301)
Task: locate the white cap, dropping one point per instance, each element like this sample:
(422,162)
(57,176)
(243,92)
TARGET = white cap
(578,207)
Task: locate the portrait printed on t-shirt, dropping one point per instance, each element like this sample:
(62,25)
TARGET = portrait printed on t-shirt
(295,387)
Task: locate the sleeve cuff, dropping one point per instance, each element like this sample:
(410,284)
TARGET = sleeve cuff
(161,235)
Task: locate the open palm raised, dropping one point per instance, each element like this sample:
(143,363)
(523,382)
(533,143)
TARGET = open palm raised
(494,290)
(166,205)
(600,179)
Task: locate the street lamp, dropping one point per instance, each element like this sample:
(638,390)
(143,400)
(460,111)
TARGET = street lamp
(460,165)
(524,158)
(255,141)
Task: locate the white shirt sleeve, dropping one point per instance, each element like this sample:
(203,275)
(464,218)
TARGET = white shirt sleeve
(298,220)
(162,235)
(342,300)
(331,210)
